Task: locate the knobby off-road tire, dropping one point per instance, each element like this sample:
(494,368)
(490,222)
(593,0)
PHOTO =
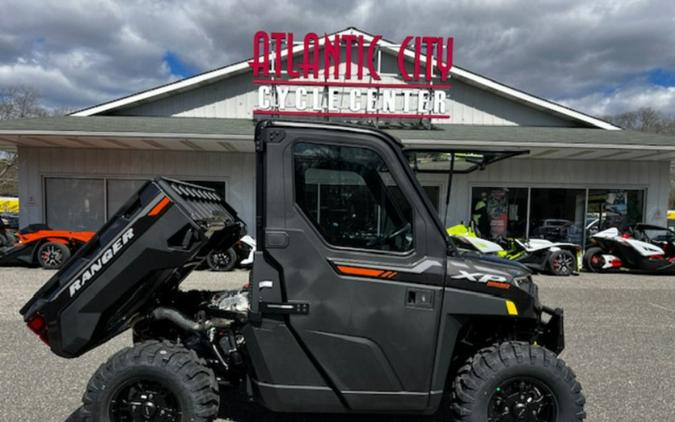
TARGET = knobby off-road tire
(160,379)
(485,386)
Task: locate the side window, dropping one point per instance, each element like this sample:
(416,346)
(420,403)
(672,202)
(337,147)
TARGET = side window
(350,197)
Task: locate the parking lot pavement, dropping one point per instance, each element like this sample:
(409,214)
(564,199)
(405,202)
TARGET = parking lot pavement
(620,341)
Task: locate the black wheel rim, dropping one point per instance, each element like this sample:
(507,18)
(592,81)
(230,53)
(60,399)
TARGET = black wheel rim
(52,256)
(562,263)
(144,401)
(220,260)
(522,400)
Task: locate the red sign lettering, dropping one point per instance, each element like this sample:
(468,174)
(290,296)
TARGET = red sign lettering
(432,53)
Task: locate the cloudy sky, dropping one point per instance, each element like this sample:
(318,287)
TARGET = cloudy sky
(602,57)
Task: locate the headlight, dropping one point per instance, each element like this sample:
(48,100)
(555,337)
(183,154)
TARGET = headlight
(526,283)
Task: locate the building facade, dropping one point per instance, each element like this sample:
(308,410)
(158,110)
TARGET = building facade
(576,173)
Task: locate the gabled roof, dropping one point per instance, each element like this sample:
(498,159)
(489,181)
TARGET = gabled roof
(456,72)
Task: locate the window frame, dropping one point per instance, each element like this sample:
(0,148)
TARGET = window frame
(586,187)
(310,223)
(105,177)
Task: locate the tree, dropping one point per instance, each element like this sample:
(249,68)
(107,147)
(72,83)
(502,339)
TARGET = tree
(645,119)
(16,103)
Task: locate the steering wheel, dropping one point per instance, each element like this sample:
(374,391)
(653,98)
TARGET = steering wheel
(391,237)
(385,239)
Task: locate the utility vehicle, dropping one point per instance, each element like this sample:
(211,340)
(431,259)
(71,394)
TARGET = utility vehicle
(369,308)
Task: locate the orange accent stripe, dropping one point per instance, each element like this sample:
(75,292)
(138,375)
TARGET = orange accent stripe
(366,272)
(159,207)
(498,285)
(391,274)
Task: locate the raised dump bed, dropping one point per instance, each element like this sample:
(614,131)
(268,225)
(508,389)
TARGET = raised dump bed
(151,244)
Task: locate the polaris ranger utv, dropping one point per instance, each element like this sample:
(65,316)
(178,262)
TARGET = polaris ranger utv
(361,306)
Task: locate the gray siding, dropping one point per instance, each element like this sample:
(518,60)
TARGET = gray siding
(236,97)
(236,169)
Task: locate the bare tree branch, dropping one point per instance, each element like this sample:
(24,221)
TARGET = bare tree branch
(16,103)
(8,163)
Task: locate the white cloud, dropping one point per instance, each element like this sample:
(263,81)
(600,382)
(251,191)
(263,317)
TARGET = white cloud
(625,99)
(80,52)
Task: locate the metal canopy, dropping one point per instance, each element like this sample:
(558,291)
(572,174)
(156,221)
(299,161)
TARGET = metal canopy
(457,161)
(454,161)
(236,135)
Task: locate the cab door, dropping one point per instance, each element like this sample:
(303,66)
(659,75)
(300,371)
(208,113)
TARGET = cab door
(353,262)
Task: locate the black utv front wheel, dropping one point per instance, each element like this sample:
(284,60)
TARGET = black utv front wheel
(152,381)
(516,381)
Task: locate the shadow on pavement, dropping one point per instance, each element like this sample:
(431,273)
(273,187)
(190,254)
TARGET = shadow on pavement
(238,411)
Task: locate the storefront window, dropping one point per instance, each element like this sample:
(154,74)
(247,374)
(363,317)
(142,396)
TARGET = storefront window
(613,208)
(557,214)
(74,204)
(499,212)
(119,191)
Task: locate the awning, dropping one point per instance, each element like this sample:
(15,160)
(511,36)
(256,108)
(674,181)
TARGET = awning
(236,135)
(130,132)
(545,142)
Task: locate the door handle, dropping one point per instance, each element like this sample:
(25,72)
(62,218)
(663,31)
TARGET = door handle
(419,298)
(285,308)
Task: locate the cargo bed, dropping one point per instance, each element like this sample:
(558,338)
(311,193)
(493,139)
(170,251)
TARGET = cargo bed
(151,244)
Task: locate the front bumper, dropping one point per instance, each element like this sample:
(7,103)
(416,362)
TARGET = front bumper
(553,330)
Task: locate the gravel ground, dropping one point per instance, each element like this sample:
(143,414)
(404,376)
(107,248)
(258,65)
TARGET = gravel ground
(620,340)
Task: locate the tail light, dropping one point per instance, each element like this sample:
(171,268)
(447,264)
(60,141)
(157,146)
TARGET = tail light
(38,325)
(616,263)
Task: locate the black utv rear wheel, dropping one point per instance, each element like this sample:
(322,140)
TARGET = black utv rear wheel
(516,381)
(52,255)
(593,260)
(219,260)
(152,381)
(562,263)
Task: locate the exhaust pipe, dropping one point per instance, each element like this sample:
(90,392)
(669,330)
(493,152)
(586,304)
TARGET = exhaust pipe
(177,318)
(186,323)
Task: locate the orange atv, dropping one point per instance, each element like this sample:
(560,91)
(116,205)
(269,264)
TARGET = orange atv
(37,244)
